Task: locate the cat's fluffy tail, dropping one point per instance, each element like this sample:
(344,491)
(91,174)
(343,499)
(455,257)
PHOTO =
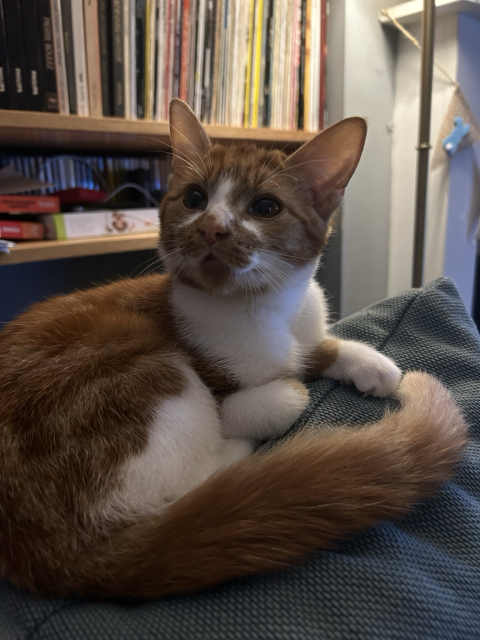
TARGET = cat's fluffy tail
(269,511)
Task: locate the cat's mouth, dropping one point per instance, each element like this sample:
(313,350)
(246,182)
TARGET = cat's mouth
(210,258)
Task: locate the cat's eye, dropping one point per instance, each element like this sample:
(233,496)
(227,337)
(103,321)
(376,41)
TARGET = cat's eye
(265,208)
(195,199)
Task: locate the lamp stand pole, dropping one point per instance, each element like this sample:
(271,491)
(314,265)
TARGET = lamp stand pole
(428,41)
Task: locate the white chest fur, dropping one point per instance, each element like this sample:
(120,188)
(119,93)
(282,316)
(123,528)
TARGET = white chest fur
(256,339)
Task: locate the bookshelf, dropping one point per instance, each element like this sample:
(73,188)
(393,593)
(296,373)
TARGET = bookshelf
(56,249)
(34,130)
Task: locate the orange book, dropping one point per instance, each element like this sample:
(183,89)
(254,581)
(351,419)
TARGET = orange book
(14,230)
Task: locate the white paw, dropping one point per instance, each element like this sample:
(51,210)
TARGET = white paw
(367,369)
(264,412)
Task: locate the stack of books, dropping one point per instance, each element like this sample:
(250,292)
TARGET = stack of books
(253,63)
(81,197)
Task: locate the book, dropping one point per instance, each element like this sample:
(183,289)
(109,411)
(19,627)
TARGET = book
(32,54)
(59,53)
(16,230)
(81,81)
(47,56)
(63,226)
(132,49)
(6,99)
(92,50)
(104,36)
(118,60)
(126,43)
(149,52)
(16,54)
(140,43)
(17,204)
(67,30)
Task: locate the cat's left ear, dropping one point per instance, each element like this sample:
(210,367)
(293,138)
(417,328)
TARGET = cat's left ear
(329,161)
(188,137)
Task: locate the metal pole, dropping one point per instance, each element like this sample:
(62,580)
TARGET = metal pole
(428,41)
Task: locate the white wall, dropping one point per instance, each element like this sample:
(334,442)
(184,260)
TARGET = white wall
(368,90)
(404,157)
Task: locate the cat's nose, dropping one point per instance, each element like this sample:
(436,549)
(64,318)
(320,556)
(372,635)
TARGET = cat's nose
(212,230)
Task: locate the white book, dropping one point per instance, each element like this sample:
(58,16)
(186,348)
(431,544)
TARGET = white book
(242,63)
(81,78)
(59,52)
(197,105)
(115,222)
(92,45)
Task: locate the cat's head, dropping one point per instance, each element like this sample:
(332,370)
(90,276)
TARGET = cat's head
(241,218)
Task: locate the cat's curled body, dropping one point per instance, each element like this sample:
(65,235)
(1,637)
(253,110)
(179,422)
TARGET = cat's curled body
(129,413)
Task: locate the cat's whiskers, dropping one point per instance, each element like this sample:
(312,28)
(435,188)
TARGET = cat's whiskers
(149,262)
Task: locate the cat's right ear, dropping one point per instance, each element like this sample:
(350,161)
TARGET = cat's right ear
(188,137)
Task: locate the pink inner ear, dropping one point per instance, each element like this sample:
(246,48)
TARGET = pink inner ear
(329,161)
(189,139)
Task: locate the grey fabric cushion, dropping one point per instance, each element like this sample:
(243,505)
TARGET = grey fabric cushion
(417,579)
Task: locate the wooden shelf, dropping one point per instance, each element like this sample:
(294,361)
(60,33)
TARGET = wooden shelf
(411,12)
(31,130)
(56,249)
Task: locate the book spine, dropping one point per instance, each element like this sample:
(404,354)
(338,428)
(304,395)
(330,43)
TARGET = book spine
(104,35)
(47,55)
(207,61)
(160,65)
(155,51)
(60,65)
(6,98)
(32,55)
(92,46)
(81,80)
(192,51)
(140,39)
(216,62)
(118,61)
(14,230)
(199,58)
(301,69)
(323,61)
(257,64)
(67,30)
(16,54)
(178,48)
(182,94)
(306,87)
(248,83)
(126,58)
(148,62)
(133,58)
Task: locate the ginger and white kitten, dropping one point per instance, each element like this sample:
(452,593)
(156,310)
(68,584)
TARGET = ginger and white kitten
(129,413)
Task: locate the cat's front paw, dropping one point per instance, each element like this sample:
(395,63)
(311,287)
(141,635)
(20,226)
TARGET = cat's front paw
(367,369)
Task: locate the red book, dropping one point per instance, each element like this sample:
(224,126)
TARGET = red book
(13,230)
(29,204)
